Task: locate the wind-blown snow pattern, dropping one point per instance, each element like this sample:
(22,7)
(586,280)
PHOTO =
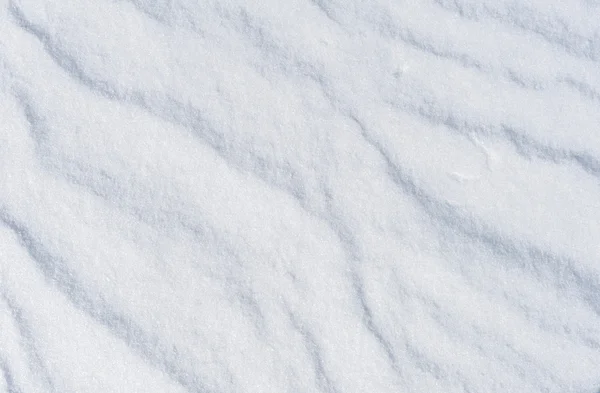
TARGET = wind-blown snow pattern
(300,196)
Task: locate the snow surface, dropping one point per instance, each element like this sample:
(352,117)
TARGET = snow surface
(300,196)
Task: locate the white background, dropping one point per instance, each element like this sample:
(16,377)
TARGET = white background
(300,196)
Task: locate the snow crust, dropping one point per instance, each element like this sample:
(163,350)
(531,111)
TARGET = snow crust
(300,196)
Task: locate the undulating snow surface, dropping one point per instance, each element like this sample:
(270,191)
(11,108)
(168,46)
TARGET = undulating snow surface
(300,196)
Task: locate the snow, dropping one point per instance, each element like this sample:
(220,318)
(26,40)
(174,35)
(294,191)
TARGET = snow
(300,196)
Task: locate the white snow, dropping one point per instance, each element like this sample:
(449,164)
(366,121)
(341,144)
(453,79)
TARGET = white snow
(300,196)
